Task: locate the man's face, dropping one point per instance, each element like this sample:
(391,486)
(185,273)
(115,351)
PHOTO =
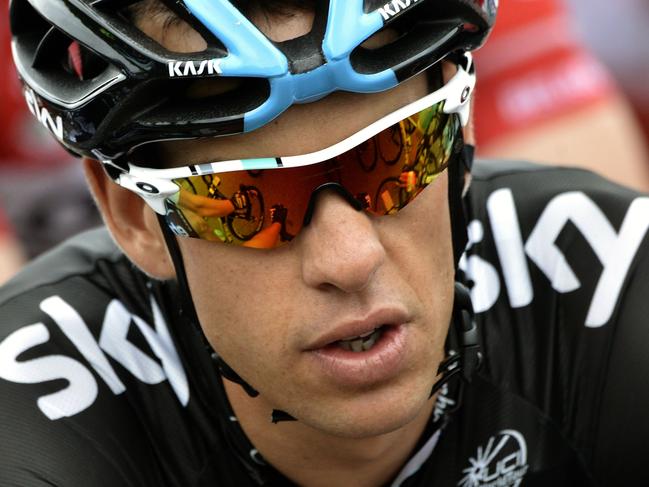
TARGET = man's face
(272,314)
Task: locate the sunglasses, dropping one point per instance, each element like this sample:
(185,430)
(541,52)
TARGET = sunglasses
(265,202)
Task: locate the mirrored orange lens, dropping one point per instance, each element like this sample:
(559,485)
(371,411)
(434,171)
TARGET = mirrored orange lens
(266,208)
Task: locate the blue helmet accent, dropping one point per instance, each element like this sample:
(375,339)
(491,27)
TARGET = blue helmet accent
(281,97)
(313,85)
(250,52)
(347,27)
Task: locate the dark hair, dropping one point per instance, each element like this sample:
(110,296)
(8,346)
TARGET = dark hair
(267,7)
(273,6)
(285,6)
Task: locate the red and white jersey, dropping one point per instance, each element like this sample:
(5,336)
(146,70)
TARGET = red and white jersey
(5,226)
(533,69)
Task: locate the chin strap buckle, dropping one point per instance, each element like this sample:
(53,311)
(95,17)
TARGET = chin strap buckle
(470,354)
(226,371)
(279,416)
(469,358)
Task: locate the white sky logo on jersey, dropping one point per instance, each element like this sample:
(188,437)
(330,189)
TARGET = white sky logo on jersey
(82,389)
(614,249)
(501,463)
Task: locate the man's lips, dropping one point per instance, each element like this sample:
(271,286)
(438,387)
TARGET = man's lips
(383,361)
(361,326)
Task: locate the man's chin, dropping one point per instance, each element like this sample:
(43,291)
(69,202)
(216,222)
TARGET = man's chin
(367,419)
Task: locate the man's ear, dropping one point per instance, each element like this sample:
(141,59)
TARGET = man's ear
(132,223)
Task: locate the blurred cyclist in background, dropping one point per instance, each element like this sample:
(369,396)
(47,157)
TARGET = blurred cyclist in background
(11,254)
(544,97)
(617,32)
(36,174)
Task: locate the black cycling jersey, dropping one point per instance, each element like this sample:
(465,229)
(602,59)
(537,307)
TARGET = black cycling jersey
(103,384)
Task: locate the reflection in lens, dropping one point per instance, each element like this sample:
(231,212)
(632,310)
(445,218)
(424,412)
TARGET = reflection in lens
(266,208)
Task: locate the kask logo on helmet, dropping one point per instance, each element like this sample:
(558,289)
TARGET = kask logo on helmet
(395,7)
(194,68)
(53,124)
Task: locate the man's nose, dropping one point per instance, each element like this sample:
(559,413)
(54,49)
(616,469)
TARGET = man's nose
(340,246)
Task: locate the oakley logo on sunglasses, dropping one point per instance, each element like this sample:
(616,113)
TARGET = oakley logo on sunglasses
(189,68)
(465,94)
(395,7)
(148,188)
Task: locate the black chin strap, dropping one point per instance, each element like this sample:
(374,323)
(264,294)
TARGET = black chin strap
(457,172)
(188,312)
(464,356)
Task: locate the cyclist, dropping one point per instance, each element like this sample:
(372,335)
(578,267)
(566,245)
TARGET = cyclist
(548,98)
(348,355)
(31,162)
(12,254)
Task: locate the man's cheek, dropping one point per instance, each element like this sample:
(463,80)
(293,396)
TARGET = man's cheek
(247,346)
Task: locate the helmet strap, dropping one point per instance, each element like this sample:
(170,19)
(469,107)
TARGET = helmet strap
(188,312)
(457,173)
(463,344)
(464,356)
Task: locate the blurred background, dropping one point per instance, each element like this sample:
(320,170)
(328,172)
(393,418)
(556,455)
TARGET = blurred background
(565,81)
(560,81)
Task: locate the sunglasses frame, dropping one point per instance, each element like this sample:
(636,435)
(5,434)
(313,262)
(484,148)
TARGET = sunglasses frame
(157,185)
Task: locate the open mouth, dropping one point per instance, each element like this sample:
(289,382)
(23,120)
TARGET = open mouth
(374,356)
(361,343)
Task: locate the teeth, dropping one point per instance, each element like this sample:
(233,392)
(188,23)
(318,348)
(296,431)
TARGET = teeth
(351,339)
(345,345)
(361,343)
(371,341)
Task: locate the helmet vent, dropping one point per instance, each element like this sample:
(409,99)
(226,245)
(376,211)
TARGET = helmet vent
(56,51)
(372,5)
(156,20)
(185,104)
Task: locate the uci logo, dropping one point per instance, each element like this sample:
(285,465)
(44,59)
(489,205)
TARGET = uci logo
(501,462)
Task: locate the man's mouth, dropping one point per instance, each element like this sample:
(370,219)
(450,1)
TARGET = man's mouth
(361,343)
(375,355)
(360,335)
